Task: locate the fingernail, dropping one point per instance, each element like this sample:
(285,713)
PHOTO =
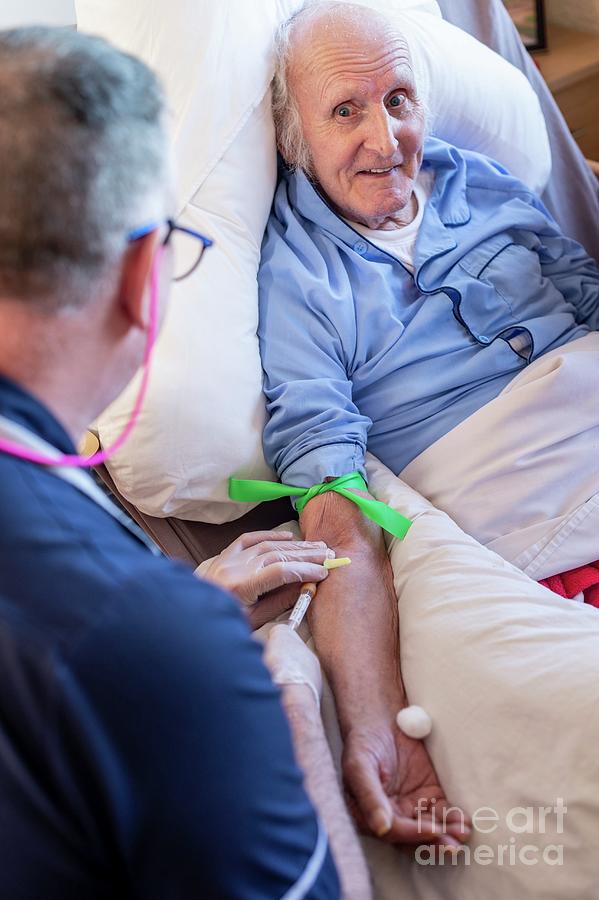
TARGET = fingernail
(380,822)
(330,554)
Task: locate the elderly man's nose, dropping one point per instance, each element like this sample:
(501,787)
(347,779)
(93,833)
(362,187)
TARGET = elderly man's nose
(380,134)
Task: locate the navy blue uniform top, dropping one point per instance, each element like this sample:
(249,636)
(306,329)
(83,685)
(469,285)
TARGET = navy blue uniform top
(143,749)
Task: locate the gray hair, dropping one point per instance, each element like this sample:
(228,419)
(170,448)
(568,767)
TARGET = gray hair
(291,142)
(83,159)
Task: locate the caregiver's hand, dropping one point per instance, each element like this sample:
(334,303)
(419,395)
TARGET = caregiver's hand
(290,661)
(261,561)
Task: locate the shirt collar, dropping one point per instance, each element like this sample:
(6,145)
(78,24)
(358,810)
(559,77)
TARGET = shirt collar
(449,193)
(18,405)
(448,196)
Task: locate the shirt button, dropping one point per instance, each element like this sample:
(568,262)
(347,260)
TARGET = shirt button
(483,339)
(360,247)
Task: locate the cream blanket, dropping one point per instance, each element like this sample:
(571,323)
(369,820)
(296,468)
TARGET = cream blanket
(521,475)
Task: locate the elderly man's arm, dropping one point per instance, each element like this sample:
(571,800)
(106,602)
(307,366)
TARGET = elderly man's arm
(354,622)
(315,429)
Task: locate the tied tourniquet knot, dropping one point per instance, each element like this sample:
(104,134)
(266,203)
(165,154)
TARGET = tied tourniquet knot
(247,491)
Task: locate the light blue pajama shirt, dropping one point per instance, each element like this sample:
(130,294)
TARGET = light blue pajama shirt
(358,352)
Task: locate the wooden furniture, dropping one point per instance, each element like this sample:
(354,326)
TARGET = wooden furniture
(571,69)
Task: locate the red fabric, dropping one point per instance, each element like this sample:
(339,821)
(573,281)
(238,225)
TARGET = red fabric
(568,584)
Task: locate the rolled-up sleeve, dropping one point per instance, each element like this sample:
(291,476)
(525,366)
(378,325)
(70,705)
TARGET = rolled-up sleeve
(307,330)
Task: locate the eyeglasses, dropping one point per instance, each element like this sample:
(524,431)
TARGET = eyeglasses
(188,245)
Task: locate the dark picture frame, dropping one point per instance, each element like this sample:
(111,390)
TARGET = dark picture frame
(529,19)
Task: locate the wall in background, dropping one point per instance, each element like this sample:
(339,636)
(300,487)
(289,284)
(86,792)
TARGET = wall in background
(36,12)
(582,15)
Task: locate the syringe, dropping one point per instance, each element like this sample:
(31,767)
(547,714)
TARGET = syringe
(308,591)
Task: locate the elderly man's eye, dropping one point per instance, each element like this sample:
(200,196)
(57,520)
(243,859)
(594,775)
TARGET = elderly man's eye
(397,100)
(344,111)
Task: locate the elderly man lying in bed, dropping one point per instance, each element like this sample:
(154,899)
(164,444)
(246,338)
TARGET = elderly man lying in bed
(407,291)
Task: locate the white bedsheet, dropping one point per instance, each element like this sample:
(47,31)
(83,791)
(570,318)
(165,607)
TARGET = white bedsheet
(521,475)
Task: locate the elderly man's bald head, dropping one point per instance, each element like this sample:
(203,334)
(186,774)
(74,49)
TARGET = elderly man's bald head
(344,85)
(333,18)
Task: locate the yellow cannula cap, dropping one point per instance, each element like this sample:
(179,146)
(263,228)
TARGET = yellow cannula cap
(337,563)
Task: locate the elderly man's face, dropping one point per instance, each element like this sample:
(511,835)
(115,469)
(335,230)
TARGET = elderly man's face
(362,121)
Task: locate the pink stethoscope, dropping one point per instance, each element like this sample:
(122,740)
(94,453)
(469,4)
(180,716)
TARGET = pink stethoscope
(75,460)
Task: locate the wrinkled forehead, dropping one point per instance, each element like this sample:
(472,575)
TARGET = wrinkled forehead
(333,56)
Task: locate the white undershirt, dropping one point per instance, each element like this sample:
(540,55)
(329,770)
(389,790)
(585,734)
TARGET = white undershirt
(400,242)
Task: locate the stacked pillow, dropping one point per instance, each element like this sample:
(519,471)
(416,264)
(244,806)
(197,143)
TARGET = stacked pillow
(203,417)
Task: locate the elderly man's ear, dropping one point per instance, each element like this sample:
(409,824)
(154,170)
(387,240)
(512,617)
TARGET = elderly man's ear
(135,285)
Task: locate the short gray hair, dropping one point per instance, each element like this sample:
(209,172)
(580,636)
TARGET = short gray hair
(291,142)
(83,159)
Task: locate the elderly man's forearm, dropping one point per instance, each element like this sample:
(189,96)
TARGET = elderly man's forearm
(354,617)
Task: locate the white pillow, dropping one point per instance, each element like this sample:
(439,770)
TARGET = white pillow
(204,413)
(509,673)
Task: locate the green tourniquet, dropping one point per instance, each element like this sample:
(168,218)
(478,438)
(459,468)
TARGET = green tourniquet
(246,491)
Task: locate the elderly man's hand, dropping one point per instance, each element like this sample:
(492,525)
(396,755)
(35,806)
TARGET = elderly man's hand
(394,791)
